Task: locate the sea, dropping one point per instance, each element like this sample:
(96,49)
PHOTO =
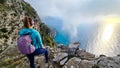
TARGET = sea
(94,38)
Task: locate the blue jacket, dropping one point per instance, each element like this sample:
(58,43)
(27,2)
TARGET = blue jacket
(35,36)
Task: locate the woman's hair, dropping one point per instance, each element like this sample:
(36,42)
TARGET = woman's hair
(28,22)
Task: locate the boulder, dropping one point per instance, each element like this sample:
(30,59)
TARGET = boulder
(72,48)
(58,57)
(74,45)
(62,62)
(109,62)
(84,55)
(86,64)
(73,63)
(62,48)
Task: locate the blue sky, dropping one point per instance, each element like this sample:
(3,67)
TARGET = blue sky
(73,13)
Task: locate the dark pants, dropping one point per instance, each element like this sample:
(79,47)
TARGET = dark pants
(37,52)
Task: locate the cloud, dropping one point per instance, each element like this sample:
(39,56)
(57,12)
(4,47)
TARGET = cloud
(76,12)
(98,7)
(69,9)
(54,7)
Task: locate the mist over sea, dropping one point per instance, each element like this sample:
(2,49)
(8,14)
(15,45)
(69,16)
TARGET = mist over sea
(92,37)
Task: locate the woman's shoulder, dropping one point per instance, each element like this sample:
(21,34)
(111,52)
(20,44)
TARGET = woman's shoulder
(34,31)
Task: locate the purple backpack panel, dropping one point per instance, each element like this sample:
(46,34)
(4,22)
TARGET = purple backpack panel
(24,44)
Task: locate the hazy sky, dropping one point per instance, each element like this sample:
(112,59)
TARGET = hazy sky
(76,12)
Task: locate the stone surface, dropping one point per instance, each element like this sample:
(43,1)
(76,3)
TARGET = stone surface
(62,62)
(59,57)
(74,45)
(40,61)
(109,62)
(73,63)
(84,55)
(86,64)
(72,48)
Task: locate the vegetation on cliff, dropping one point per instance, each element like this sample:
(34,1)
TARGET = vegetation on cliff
(11,14)
(46,36)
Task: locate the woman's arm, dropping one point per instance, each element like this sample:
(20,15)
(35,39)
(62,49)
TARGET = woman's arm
(39,40)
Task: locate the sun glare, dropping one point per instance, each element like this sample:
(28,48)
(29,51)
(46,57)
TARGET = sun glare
(107,32)
(112,20)
(109,25)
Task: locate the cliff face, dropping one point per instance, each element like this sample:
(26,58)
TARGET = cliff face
(11,14)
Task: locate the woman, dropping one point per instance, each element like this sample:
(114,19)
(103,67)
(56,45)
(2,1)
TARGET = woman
(36,40)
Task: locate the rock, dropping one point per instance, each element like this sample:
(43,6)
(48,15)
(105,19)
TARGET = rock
(73,63)
(118,55)
(40,61)
(108,62)
(86,64)
(51,66)
(62,62)
(84,55)
(74,45)
(72,48)
(117,60)
(52,50)
(102,55)
(59,57)
(61,48)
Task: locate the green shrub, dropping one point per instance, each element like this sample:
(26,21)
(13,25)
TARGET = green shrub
(45,31)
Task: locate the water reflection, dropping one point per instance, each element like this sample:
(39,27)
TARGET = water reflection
(106,39)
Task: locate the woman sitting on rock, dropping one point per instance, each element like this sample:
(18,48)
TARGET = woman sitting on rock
(36,40)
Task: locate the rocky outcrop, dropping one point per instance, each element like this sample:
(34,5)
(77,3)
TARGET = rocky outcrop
(81,58)
(74,59)
(109,62)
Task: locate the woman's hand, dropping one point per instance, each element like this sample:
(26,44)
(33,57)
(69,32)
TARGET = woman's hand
(46,47)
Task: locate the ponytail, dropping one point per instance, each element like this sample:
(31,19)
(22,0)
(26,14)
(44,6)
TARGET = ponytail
(27,21)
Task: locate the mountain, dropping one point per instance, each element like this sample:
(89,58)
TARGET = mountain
(11,14)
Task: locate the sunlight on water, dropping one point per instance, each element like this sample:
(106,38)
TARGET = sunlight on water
(107,32)
(106,40)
